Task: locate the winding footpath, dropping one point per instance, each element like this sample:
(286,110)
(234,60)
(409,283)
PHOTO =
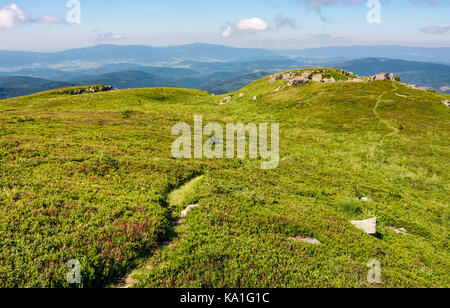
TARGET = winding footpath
(128,281)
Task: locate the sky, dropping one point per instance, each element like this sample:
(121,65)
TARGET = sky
(50,25)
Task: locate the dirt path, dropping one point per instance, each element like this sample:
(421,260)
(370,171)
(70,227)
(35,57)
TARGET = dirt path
(174,199)
(394,129)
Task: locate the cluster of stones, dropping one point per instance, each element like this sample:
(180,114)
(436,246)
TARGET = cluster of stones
(93,89)
(228,99)
(225,100)
(413,86)
(294,79)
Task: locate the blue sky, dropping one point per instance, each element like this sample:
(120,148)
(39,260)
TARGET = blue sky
(42,25)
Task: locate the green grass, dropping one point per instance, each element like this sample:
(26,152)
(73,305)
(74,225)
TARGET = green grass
(90,177)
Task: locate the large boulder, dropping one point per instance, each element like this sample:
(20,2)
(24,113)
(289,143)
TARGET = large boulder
(289,76)
(297,81)
(307,74)
(317,78)
(384,76)
(369,226)
(329,80)
(275,77)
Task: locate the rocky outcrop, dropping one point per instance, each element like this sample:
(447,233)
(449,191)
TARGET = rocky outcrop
(294,78)
(92,89)
(297,81)
(289,76)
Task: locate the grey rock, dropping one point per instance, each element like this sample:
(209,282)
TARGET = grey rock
(329,80)
(275,77)
(307,74)
(383,76)
(289,76)
(298,80)
(446,103)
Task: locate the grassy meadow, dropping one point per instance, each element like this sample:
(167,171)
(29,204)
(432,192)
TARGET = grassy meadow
(91,177)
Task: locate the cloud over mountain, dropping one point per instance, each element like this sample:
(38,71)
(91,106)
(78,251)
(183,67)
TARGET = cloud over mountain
(437,29)
(12,15)
(244,26)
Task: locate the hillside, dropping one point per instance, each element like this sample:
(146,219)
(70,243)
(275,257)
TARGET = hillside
(91,177)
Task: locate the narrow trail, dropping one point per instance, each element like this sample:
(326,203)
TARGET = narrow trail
(394,129)
(173,198)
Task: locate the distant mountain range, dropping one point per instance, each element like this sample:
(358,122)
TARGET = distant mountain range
(218,69)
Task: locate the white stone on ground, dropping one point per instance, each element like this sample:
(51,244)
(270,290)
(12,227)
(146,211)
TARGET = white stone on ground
(369,226)
(308,240)
(187,210)
(398,230)
(365,199)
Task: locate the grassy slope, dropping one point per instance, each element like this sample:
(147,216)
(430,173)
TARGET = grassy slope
(87,177)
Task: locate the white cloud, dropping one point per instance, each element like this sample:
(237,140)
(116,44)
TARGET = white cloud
(314,4)
(11,15)
(280,22)
(227,31)
(326,36)
(52,19)
(245,26)
(108,36)
(252,24)
(437,29)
